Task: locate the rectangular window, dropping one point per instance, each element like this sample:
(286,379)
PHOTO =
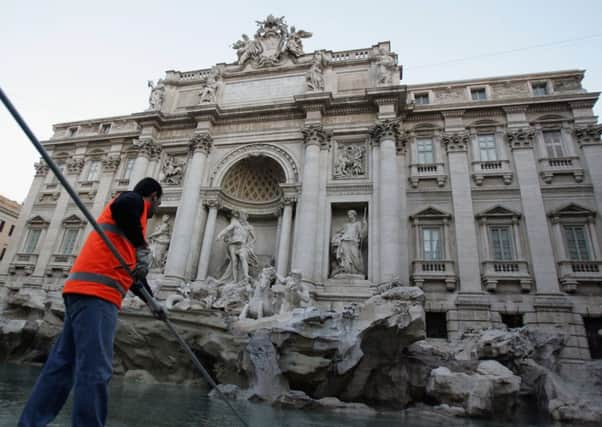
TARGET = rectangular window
(487,147)
(478,94)
(539,89)
(2,222)
(72,131)
(129,166)
(431,243)
(53,178)
(501,242)
(69,239)
(436,324)
(93,171)
(421,98)
(32,241)
(2,254)
(12,228)
(424,149)
(577,245)
(553,142)
(105,128)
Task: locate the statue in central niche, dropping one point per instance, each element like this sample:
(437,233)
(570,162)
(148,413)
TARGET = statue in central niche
(347,243)
(239,238)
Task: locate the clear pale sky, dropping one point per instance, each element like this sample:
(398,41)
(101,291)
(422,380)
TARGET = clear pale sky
(73,60)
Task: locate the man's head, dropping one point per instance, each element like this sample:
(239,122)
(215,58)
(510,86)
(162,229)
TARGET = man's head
(150,190)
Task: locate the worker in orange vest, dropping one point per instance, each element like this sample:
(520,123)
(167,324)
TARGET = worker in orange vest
(82,356)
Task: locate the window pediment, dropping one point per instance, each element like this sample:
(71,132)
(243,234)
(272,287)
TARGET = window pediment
(498,211)
(573,210)
(430,213)
(73,221)
(37,221)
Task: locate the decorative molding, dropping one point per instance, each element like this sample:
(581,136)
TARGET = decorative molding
(452,113)
(146,147)
(386,129)
(424,117)
(513,109)
(41,168)
(351,189)
(110,163)
(582,104)
(455,141)
(317,135)
(548,108)
(201,142)
(75,165)
(520,138)
(589,135)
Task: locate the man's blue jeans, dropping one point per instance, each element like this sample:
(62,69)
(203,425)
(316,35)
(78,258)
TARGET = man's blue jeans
(80,359)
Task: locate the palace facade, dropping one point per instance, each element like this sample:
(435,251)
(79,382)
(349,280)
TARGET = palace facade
(485,193)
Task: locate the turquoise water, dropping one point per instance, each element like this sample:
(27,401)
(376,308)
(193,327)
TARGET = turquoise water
(162,405)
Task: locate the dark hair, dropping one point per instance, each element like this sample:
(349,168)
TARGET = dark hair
(147,186)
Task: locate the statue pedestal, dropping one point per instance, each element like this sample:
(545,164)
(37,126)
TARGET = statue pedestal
(342,290)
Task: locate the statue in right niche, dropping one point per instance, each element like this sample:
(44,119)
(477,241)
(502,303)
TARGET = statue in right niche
(347,245)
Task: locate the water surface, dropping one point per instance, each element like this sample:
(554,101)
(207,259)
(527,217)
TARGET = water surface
(163,405)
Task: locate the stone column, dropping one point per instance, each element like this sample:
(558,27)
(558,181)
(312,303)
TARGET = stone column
(285,237)
(18,232)
(208,237)
(456,144)
(305,243)
(146,147)
(48,245)
(386,134)
(538,235)
(180,247)
(404,242)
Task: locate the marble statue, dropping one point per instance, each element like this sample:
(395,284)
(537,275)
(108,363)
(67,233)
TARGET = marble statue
(261,300)
(239,237)
(293,293)
(247,48)
(315,76)
(294,45)
(157,95)
(351,160)
(172,171)
(208,93)
(159,242)
(385,67)
(347,244)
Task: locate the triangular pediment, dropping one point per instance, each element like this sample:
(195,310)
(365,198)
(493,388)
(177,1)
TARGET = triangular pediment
(574,209)
(498,211)
(431,212)
(37,220)
(73,220)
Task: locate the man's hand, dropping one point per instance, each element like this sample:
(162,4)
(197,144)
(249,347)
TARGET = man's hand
(157,309)
(143,262)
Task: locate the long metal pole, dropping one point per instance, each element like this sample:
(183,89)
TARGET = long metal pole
(152,303)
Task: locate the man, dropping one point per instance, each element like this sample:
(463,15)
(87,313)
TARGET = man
(93,292)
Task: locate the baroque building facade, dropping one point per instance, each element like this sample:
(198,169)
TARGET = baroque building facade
(485,193)
(9,213)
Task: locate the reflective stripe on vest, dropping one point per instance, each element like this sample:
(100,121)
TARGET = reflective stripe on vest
(105,226)
(98,278)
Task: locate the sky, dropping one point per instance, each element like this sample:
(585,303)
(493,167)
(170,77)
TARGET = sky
(64,61)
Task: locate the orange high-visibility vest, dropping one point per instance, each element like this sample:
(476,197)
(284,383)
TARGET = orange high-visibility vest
(96,271)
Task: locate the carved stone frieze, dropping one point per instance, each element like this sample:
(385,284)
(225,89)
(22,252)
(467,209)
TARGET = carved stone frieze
(172,170)
(589,134)
(386,129)
(75,165)
(520,138)
(201,142)
(350,161)
(515,109)
(272,43)
(317,135)
(455,141)
(41,168)
(110,163)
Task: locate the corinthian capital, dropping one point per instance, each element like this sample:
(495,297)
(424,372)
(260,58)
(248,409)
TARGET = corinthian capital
(201,142)
(520,138)
(589,134)
(146,147)
(385,129)
(455,141)
(75,165)
(110,163)
(317,135)
(41,168)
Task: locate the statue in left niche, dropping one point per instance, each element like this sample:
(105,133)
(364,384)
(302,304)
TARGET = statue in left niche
(159,242)
(208,93)
(157,95)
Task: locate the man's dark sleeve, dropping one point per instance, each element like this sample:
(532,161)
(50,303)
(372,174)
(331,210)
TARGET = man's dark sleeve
(127,209)
(136,289)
